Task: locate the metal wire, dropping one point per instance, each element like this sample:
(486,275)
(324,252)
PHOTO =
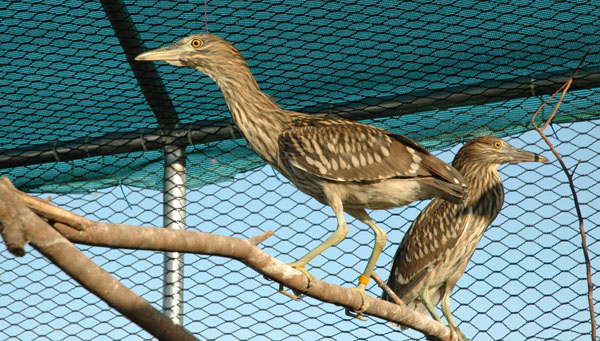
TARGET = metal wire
(525,281)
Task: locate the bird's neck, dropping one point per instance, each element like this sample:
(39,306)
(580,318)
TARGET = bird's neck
(257,115)
(485,189)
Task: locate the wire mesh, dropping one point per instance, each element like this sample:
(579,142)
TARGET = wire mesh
(65,79)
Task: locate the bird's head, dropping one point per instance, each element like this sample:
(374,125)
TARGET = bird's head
(205,52)
(491,150)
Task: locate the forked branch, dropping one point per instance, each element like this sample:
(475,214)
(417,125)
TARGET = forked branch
(19,225)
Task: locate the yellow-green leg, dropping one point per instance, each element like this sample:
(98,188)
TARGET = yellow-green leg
(448,315)
(339,234)
(424,294)
(380,239)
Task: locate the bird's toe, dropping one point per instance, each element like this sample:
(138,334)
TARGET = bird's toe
(293,295)
(311,281)
(301,267)
(357,313)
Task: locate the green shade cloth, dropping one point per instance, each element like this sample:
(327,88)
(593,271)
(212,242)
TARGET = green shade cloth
(64,76)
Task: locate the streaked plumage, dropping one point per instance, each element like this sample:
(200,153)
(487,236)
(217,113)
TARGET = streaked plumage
(345,164)
(436,249)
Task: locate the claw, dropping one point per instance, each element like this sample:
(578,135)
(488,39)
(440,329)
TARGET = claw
(353,315)
(300,267)
(363,307)
(311,281)
(293,296)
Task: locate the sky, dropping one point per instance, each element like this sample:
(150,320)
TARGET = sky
(525,281)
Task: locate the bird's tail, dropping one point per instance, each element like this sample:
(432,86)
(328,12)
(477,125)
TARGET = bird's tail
(447,181)
(454,193)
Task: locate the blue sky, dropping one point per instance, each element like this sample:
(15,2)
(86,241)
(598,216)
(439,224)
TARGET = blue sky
(525,281)
(65,75)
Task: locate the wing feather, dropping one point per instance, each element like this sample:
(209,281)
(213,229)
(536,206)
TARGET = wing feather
(342,150)
(434,233)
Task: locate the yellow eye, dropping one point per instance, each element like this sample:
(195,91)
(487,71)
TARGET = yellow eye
(497,144)
(196,43)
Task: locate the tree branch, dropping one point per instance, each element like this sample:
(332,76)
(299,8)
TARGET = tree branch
(80,230)
(563,89)
(19,225)
(387,289)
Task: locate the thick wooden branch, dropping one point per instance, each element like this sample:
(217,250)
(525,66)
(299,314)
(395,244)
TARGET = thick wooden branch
(19,226)
(244,250)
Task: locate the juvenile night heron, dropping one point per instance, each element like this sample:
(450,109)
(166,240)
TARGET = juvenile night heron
(438,246)
(344,164)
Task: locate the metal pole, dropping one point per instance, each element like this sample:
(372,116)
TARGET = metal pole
(174,218)
(174,173)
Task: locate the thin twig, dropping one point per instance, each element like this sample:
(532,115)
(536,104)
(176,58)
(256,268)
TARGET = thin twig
(387,289)
(261,237)
(570,175)
(50,211)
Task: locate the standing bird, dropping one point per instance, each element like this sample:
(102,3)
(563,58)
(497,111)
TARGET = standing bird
(344,164)
(438,246)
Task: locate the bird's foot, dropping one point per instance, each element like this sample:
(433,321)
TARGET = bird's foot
(301,267)
(363,307)
(293,295)
(311,281)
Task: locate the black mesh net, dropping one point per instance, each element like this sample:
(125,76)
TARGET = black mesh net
(78,123)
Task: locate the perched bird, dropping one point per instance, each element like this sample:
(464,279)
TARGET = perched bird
(436,249)
(341,163)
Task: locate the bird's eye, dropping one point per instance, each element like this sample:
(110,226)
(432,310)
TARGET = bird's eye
(196,43)
(497,144)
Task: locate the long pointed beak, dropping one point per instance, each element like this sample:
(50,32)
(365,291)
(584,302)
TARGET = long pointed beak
(169,54)
(520,155)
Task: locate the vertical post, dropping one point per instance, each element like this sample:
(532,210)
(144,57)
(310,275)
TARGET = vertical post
(174,173)
(174,217)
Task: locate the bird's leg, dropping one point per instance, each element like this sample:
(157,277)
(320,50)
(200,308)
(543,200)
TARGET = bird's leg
(424,294)
(339,234)
(380,238)
(448,315)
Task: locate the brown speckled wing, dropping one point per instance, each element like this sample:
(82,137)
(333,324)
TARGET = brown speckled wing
(342,150)
(433,234)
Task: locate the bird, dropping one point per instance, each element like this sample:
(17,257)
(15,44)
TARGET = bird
(436,249)
(347,165)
